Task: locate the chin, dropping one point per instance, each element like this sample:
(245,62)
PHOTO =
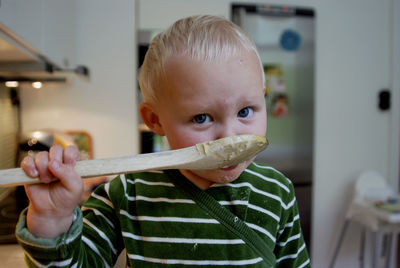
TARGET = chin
(222,175)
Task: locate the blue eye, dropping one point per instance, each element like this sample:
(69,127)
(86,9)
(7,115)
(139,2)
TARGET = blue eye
(245,112)
(201,118)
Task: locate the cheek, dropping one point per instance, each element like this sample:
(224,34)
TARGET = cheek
(260,126)
(175,132)
(181,138)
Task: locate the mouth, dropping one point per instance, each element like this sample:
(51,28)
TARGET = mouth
(229,168)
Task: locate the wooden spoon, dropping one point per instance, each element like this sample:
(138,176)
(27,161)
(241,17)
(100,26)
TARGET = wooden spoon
(208,155)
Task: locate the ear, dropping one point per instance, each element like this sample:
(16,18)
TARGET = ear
(150,117)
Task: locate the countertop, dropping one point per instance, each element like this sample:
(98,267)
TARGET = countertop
(11,255)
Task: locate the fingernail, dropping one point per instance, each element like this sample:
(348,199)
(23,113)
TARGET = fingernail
(55,165)
(34,172)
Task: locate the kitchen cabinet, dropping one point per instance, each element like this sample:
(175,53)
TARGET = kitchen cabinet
(59,34)
(23,18)
(12,255)
(47,26)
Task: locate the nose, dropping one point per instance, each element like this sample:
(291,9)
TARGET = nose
(226,129)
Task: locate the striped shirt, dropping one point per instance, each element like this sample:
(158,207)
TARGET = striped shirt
(159,225)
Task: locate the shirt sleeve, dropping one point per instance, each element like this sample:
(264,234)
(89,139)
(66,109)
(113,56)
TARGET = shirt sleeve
(290,249)
(49,251)
(93,240)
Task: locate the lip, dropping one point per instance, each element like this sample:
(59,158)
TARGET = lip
(229,168)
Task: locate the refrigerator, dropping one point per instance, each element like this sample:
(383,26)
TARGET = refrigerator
(284,37)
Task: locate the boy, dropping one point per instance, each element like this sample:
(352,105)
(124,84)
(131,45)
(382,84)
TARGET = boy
(201,80)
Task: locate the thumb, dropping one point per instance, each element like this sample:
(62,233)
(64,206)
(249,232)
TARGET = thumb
(66,174)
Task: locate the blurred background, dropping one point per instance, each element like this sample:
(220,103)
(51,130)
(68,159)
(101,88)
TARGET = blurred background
(332,78)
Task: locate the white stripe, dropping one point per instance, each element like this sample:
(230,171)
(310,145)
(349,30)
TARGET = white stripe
(282,244)
(268,167)
(105,200)
(305,263)
(273,215)
(290,224)
(271,168)
(72,238)
(246,184)
(101,234)
(158,183)
(184,240)
(60,263)
(107,189)
(189,201)
(159,199)
(291,203)
(98,213)
(123,181)
(284,187)
(75,265)
(251,206)
(262,230)
(168,219)
(54,263)
(194,262)
(265,167)
(93,247)
(292,256)
(234,202)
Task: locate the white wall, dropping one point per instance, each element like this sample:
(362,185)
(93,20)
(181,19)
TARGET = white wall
(164,13)
(395,79)
(105,104)
(351,134)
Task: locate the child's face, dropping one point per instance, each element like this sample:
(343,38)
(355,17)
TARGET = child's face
(203,101)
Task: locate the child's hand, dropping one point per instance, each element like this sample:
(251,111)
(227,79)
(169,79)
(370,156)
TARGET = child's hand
(51,206)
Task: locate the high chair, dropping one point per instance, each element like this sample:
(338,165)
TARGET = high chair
(371,190)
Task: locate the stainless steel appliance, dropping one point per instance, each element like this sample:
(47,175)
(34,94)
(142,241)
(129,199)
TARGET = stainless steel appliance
(284,37)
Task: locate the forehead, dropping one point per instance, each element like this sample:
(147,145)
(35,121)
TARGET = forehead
(185,76)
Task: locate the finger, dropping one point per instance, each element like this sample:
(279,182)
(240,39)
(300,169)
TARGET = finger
(28,165)
(71,155)
(42,162)
(56,153)
(67,175)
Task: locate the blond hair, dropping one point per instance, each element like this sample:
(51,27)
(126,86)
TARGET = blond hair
(199,37)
